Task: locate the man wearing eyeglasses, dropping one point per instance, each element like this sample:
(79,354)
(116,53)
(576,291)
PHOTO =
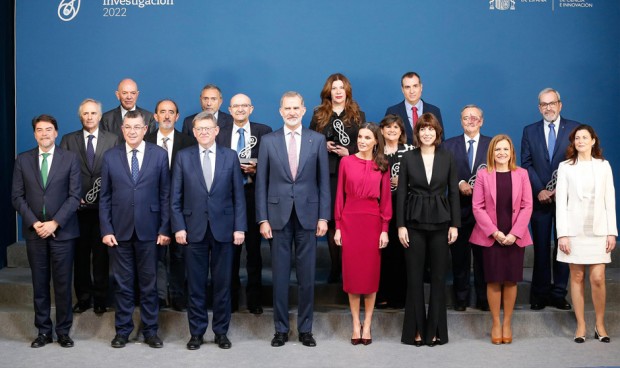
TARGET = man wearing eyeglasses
(134,214)
(209,218)
(244,137)
(543,147)
(127,94)
(470,151)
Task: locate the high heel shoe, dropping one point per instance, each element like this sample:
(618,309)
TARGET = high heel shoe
(366,341)
(507,340)
(496,340)
(358,340)
(601,338)
(580,339)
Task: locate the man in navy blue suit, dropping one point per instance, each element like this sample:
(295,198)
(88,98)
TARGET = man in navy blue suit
(470,151)
(210,101)
(543,147)
(250,134)
(46,193)
(413,106)
(293,205)
(134,214)
(208,216)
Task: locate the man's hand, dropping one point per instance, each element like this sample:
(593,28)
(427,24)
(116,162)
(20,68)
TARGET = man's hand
(109,240)
(46,229)
(181,237)
(265,230)
(249,168)
(545,196)
(465,188)
(163,240)
(238,237)
(321,228)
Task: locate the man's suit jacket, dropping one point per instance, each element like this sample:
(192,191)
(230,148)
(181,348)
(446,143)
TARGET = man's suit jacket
(277,192)
(75,143)
(194,207)
(425,205)
(256,129)
(113,120)
(569,208)
(179,142)
(456,146)
(484,207)
(535,156)
(144,205)
(400,110)
(61,195)
(222,119)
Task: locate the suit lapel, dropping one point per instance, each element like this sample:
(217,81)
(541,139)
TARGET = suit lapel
(462,158)
(195,162)
(493,187)
(81,145)
(282,153)
(561,136)
(146,160)
(408,128)
(516,189)
(36,169)
(304,152)
(122,153)
(56,162)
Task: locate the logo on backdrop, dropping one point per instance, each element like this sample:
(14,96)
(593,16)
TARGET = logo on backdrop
(502,4)
(68,9)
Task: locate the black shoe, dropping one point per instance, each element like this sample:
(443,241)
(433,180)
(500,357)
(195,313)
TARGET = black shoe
(483,306)
(579,339)
(434,343)
(81,307)
(179,305)
(41,341)
(65,341)
(460,306)
(119,341)
(222,341)
(195,342)
(162,303)
(307,340)
(537,306)
(255,310)
(561,304)
(279,339)
(154,342)
(600,338)
(100,309)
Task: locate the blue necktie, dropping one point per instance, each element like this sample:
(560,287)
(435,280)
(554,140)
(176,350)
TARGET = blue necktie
(240,147)
(90,151)
(135,166)
(470,154)
(551,141)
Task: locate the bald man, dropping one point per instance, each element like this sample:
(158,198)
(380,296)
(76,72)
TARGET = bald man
(127,94)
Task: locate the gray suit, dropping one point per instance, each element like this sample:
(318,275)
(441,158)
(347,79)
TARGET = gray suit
(112,120)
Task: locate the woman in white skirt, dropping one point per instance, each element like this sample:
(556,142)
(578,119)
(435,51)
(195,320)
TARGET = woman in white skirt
(586,223)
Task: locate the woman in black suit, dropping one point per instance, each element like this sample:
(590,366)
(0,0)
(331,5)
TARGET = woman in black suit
(427,215)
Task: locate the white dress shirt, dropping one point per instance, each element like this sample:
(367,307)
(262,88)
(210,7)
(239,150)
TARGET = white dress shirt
(139,154)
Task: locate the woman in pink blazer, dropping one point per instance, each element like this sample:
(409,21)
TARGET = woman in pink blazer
(502,205)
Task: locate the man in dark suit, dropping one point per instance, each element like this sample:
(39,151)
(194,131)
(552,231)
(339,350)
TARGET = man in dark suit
(134,211)
(208,215)
(293,205)
(127,94)
(90,143)
(469,151)
(46,193)
(171,140)
(210,101)
(244,137)
(543,147)
(413,106)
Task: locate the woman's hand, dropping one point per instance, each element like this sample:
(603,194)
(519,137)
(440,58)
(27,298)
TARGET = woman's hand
(403,236)
(394,181)
(564,244)
(338,238)
(509,240)
(499,236)
(611,243)
(383,240)
(453,233)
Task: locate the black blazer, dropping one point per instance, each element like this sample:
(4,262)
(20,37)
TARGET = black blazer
(222,119)
(426,206)
(74,142)
(456,146)
(112,120)
(400,110)
(256,129)
(180,141)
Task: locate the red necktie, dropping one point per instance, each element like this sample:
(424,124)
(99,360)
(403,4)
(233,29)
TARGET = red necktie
(414,116)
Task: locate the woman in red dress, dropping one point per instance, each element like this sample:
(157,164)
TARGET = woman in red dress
(362,212)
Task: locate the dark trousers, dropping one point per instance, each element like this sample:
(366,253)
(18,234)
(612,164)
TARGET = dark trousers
(435,324)
(542,290)
(89,244)
(305,262)
(130,261)
(53,259)
(200,257)
(393,280)
(462,251)
(254,260)
(171,276)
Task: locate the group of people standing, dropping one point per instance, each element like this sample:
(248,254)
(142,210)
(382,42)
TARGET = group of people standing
(172,207)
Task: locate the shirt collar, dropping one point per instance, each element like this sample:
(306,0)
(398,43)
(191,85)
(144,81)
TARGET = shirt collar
(140,147)
(287,130)
(246,127)
(86,133)
(476,138)
(51,151)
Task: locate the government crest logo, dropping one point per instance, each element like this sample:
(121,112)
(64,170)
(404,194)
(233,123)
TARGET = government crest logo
(68,9)
(502,4)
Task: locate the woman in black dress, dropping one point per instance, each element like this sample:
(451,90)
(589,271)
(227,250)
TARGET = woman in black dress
(338,117)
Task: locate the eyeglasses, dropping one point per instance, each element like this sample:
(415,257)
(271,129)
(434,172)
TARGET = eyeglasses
(544,105)
(472,118)
(204,129)
(135,128)
(242,106)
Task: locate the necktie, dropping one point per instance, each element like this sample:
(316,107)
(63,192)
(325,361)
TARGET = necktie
(551,141)
(44,170)
(90,151)
(135,166)
(470,153)
(206,169)
(240,147)
(164,143)
(292,154)
(414,116)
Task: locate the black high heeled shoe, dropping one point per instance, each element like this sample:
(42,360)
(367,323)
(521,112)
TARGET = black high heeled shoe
(601,338)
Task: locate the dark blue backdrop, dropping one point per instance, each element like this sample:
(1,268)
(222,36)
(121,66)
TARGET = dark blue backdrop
(464,51)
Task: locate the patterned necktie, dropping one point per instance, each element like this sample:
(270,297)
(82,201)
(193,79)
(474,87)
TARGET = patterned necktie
(240,147)
(164,143)
(551,140)
(135,166)
(292,154)
(44,169)
(470,154)
(414,116)
(90,151)
(206,169)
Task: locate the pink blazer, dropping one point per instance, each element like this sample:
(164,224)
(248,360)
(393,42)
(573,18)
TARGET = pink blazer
(483,206)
